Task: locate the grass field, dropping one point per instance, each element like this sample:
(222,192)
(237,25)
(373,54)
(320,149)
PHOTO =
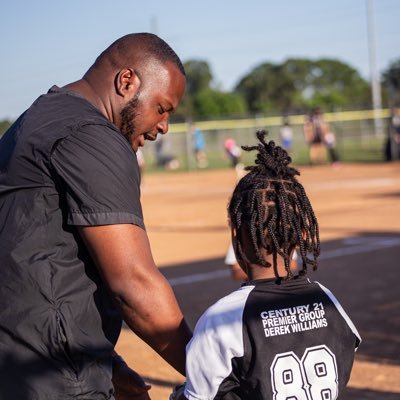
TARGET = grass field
(356,150)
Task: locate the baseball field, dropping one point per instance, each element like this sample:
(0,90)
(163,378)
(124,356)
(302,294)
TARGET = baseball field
(358,207)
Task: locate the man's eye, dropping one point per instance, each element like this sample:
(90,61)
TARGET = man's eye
(160,110)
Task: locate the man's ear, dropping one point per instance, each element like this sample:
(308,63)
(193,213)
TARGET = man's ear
(127,82)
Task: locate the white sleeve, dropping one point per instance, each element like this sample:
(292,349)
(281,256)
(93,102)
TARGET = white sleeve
(217,339)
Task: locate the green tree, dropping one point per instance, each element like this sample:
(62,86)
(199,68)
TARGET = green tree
(263,88)
(4,125)
(214,103)
(297,84)
(198,76)
(201,100)
(336,84)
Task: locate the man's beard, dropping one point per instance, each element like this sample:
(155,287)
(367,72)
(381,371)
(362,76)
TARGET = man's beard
(128,115)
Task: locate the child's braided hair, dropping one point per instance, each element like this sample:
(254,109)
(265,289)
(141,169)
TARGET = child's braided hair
(271,206)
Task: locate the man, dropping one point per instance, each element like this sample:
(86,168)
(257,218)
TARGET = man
(75,258)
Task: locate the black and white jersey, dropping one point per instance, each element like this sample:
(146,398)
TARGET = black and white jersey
(291,340)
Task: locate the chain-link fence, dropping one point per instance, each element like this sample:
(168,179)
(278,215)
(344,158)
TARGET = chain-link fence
(357,139)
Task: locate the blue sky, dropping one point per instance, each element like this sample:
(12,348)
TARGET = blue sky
(47,42)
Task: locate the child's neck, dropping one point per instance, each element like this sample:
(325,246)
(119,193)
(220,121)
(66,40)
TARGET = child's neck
(255,271)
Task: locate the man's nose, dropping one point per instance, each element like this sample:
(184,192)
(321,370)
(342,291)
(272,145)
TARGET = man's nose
(162,126)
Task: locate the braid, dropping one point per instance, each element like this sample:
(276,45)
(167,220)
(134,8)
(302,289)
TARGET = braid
(271,207)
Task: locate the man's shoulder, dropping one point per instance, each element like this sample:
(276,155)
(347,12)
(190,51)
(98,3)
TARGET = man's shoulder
(59,105)
(59,113)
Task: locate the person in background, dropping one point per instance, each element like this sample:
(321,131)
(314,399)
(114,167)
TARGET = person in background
(234,153)
(199,147)
(286,136)
(75,256)
(163,158)
(330,143)
(280,335)
(392,144)
(315,129)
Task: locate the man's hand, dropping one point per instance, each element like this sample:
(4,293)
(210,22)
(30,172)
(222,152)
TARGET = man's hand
(128,384)
(177,394)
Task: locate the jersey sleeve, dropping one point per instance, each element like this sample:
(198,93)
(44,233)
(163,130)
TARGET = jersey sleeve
(217,340)
(99,177)
(343,314)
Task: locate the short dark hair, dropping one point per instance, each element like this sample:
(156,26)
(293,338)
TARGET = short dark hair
(271,206)
(138,47)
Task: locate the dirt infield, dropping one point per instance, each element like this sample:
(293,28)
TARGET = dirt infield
(358,209)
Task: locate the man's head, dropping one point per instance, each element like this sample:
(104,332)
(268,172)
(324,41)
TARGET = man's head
(270,213)
(141,81)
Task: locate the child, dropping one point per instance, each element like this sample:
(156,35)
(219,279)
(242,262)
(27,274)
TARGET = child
(330,143)
(286,134)
(280,335)
(233,151)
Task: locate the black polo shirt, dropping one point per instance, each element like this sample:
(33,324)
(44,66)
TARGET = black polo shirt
(62,164)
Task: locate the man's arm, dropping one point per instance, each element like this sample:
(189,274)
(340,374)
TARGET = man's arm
(148,305)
